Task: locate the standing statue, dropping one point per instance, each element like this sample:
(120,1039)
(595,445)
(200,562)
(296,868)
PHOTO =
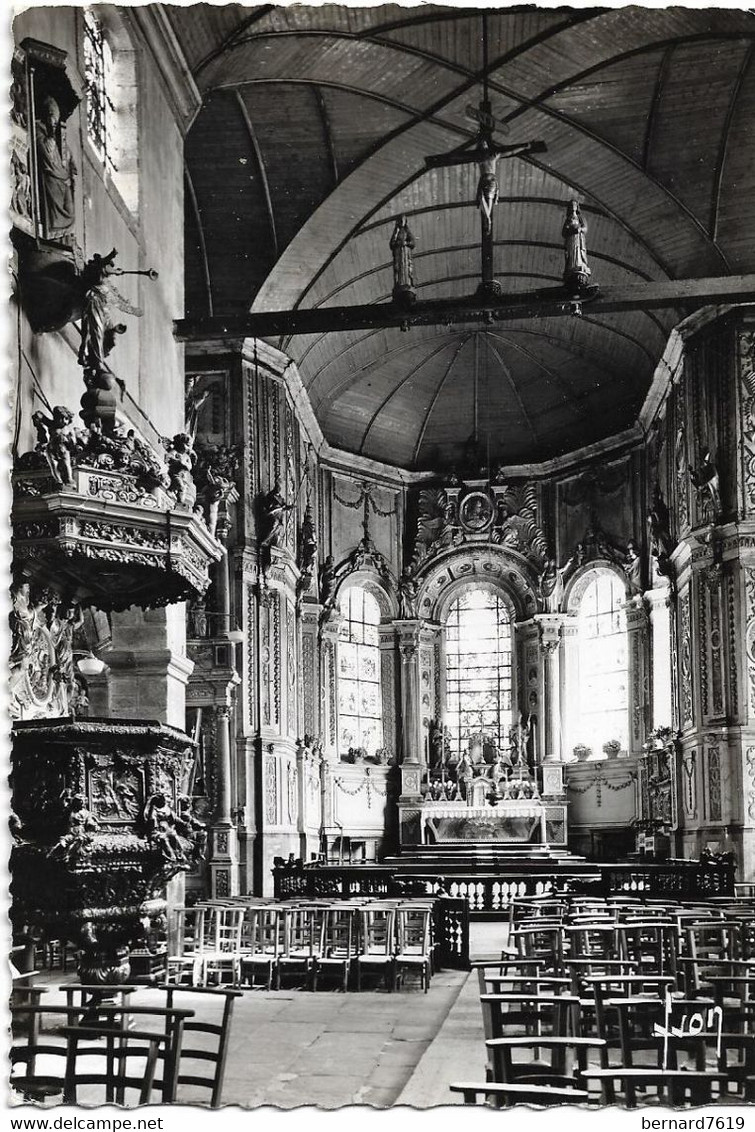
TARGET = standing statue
(64,622)
(327,581)
(402,245)
(576,268)
(465,775)
(706,476)
(661,542)
(56,175)
(307,549)
(407,595)
(22,623)
(273,510)
(98,331)
(633,569)
(57,441)
(550,590)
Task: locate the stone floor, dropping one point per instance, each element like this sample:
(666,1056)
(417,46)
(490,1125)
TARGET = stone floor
(291,1047)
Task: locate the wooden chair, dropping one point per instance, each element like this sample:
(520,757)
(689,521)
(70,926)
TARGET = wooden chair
(377,941)
(413,942)
(340,945)
(676,1086)
(302,940)
(262,941)
(567,1061)
(167,1023)
(191,924)
(505,1096)
(652,945)
(218,1030)
(223,953)
(113,1075)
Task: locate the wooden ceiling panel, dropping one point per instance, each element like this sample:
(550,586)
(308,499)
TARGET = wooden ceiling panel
(686,141)
(615,102)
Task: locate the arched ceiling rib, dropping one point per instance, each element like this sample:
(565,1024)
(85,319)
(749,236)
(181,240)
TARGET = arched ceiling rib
(311,141)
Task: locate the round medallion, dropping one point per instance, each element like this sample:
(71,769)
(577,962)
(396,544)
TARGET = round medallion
(476,512)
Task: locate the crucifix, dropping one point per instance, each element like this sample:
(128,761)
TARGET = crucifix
(482,150)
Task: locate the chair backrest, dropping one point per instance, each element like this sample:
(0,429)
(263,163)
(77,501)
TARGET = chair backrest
(340,932)
(228,922)
(218,1030)
(111,1069)
(412,931)
(565,1055)
(377,930)
(190,925)
(302,931)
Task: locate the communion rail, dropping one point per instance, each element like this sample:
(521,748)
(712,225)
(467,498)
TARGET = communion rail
(491,892)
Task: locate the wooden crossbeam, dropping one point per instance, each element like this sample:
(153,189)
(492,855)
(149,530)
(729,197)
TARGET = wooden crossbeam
(548,302)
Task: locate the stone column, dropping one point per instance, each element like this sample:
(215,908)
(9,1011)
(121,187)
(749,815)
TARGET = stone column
(549,628)
(569,685)
(637,662)
(659,605)
(224,860)
(413,763)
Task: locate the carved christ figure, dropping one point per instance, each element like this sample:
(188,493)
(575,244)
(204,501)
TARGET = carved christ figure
(487,191)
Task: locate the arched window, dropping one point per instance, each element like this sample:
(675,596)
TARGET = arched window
(110,72)
(603,671)
(360,715)
(478,668)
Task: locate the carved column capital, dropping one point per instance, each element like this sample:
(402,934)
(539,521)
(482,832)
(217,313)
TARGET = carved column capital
(549,626)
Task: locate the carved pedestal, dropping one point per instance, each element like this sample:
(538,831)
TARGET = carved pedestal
(100,826)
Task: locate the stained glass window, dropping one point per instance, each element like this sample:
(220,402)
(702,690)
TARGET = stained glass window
(478,668)
(360,714)
(603,674)
(98,66)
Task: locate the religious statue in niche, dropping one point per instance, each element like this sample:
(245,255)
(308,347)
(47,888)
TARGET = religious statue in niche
(273,509)
(633,569)
(661,543)
(307,551)
(476,512)
(705,478)
(402,246)
(576,268)
(57,173)
(407,595)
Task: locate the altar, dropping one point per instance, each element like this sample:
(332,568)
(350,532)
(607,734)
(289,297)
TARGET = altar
(512,820)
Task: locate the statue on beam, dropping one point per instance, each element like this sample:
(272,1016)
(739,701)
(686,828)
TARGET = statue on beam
(576,268)
(402,246)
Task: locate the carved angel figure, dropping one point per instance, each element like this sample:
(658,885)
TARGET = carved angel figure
(435,521)
(191,828)
(633,569)
(328,581)
(57,441)
(81,824)
(160,823)
(181,459)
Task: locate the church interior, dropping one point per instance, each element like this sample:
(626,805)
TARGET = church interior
(382,604)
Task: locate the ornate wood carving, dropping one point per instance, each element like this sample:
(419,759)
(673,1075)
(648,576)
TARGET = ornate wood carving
(732,624)
(308,682)
(388,694)
(749,582)
(746,351)
(714,783)
(685,661)
(689,783)
(271,790)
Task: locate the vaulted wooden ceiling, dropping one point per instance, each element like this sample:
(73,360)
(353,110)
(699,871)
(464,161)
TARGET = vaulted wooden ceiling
(311,141)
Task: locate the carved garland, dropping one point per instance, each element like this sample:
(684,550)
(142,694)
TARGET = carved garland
(599,781)
(747,373)
(714,784)
(732,626)
(368,784)
(309,682)
(749,578)
(750,762)
(686,660)
(387,678)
